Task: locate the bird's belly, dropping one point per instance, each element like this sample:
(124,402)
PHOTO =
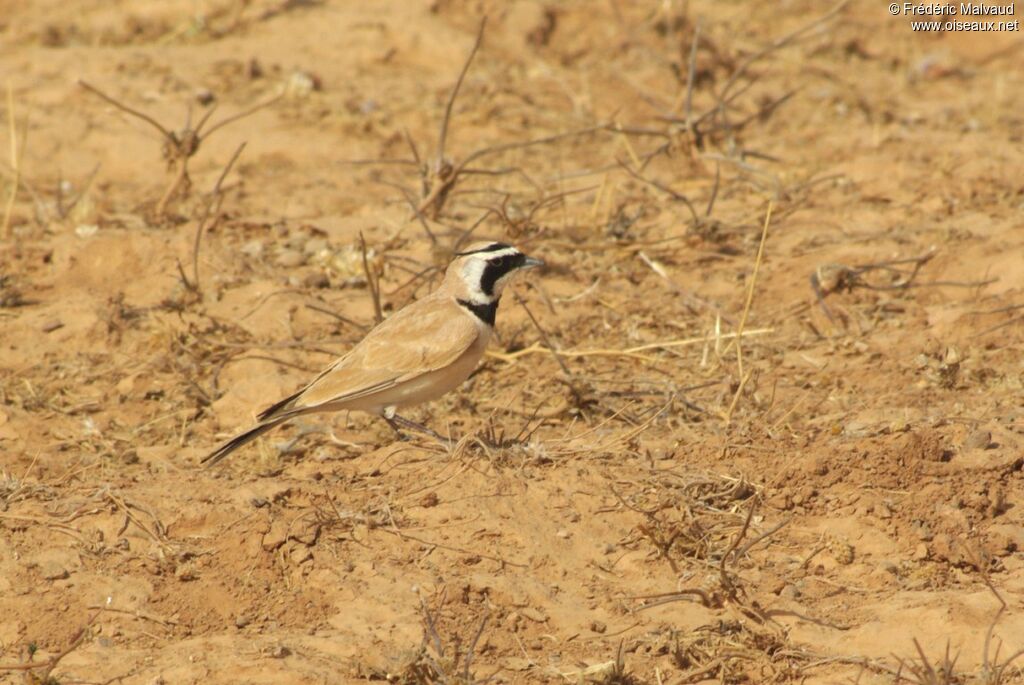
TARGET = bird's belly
(433,384)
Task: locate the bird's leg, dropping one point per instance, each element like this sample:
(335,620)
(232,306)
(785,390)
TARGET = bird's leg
(397,422)
(394,426)
(412,425)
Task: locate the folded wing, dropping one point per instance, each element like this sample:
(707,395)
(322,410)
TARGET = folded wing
(415,341)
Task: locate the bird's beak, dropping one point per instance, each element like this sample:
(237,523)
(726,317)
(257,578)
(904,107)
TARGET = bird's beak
(532,262)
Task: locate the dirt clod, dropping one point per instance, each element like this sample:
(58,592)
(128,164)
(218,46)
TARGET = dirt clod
(276,537)
(52,570)
(978,440)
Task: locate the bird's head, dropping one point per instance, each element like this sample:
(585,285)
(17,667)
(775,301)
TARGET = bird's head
(482,271)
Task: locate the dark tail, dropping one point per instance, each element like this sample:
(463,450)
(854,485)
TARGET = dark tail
(272,410)
(239,440)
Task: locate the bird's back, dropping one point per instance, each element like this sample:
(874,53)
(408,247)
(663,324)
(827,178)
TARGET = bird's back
(424,336)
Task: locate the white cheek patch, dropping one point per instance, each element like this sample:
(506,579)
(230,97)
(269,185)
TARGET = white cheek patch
(472,274)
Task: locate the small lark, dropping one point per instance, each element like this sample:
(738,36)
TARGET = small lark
(418,354)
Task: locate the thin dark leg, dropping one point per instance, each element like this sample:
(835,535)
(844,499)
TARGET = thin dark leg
(412,425)
(394,426)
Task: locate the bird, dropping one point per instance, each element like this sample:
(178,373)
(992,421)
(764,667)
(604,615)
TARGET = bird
(419,353)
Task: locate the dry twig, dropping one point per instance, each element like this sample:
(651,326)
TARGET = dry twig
(372,282)
(16,156)
(179,146)
(212,207)
(47,667)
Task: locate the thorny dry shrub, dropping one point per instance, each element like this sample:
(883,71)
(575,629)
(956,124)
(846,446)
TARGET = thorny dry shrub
(922,672)
(697,524)
(704,527)
(919,669)
(687,517)
(728,651)
(500,447)
(434,665)
(375,512)
(449,659)
(446,660)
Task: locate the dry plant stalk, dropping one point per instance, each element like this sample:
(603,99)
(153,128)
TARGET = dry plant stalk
(831,278)
(518,226)
(443,175)
(212,207)
(16,156)
(47,667)
(372,282)
(434,663)
(727,97)
(179,146)
(714,126)
(924,673)
(630,352)
(439,177)
(743,319)
(582,394)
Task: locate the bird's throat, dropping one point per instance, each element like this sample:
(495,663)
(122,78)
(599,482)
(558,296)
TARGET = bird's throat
(484,311)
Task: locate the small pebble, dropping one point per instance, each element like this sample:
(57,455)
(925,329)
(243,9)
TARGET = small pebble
(52,325)
(533,615)
(185,573)
(314,245)
(317,279)
(52,570)
(598,627)
(278,652)
(300,84)
(290,258)
(253,248)
(842,552)
(978,440)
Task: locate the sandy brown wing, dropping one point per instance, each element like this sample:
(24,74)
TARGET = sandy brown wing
(425,336)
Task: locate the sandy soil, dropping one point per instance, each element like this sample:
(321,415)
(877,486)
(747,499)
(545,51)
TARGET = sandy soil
(655,504)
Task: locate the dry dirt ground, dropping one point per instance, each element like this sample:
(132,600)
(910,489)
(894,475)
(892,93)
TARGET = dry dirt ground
(735,469)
